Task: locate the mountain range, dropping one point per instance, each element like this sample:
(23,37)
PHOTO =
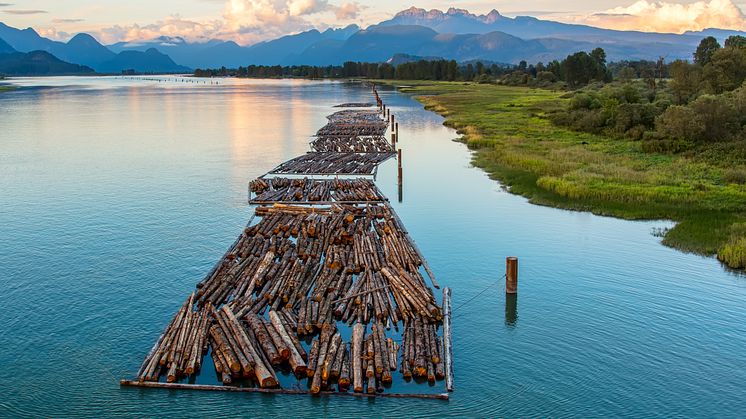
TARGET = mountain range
(453,34)
(85,50)
(35,63)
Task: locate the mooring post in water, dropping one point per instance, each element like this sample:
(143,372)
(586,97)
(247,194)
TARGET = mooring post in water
(511,275)
(393,140)
(396,130)
(393,121)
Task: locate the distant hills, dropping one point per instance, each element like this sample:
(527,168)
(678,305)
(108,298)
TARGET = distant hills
(38,63)
(86,51)
(454,34)
(5,48)
(283,50)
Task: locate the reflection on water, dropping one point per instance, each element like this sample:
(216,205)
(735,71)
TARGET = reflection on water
(511,310)
(118,195)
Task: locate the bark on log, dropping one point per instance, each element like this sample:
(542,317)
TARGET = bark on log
(295,359)
(358,330)
(448,348)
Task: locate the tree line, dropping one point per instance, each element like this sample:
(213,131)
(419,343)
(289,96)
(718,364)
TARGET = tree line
(576,70)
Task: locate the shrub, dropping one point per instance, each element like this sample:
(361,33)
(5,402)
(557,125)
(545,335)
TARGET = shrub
(584,101)
(735,175)
(546,76)
(679,123)
(636,133)
(654,142)
(484,79)
(733,252)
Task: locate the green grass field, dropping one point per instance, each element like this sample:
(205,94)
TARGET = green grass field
(515,143)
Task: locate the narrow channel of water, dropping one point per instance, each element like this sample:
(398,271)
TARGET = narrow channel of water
(118,195)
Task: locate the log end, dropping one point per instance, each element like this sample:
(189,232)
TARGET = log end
(386,377)
(269,382)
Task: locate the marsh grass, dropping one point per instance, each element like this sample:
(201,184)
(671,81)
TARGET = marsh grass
(513,139)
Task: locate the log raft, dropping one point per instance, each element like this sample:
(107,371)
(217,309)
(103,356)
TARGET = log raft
(318,256)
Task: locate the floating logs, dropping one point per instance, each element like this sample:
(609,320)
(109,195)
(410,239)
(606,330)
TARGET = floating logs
(179,350)
(355,105)
(351,144)
(271,190)
(318,257)
(333,163)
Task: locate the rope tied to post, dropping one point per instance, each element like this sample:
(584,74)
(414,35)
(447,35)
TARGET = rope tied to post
(477,295)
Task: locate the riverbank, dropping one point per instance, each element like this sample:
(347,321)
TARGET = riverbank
(515,142)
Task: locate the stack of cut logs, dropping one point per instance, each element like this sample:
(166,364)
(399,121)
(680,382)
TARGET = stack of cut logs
(309,190)
(333,163)
(375,144)
(275,300)
(355,105)
(353,116)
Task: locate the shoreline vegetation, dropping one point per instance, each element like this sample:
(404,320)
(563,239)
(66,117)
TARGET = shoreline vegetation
(510,131)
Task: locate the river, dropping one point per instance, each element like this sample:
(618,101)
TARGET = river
(118,195)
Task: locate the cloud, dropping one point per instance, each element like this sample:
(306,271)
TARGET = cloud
(53,33)
(251,21)
(661,16)
(532,12)
(243,21)
(25,12)
(67,20)
(173,26)
(307,7)
(348,11)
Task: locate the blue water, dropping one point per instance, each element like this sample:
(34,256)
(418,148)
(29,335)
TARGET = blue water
(117,196)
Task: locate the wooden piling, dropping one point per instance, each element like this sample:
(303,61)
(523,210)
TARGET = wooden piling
(511,275)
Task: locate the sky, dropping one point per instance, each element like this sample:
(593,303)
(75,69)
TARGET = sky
(251,21)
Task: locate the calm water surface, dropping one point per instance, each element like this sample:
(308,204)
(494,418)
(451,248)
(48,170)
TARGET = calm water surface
(117,196)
